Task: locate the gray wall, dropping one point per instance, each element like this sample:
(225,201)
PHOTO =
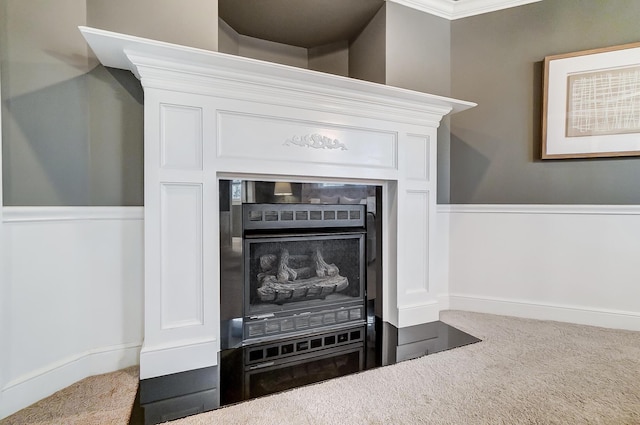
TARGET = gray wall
(228,39)
(270,51)
(496,61)
(332,58)
(418,48)
(367,50)
(72,129)
(45,108)
(187,22)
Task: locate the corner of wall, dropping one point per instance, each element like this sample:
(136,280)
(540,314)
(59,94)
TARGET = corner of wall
(228,39)
(367,52)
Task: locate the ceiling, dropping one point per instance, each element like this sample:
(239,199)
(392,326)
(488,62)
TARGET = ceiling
(312,23)
(303,23)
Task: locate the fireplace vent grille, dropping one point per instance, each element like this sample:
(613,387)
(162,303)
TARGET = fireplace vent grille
(291,216)
(301,322)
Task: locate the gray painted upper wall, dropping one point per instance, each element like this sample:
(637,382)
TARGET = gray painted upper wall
(496,61)
(418,49)
(418,57)
(187,22)
(367,51)
(332,58)
(73,131)
(45,108)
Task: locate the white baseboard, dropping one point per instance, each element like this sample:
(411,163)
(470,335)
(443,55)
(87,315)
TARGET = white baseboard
(562,313)
(158,360)
(45,381)
(417,314)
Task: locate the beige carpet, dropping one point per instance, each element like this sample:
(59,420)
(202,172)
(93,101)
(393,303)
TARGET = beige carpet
(523,372)
(101,399)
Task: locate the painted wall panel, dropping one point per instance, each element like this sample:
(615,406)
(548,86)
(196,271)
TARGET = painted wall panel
(418,149)
(304,141)
(180,137)
(181,258)
(413,254)
(559,263)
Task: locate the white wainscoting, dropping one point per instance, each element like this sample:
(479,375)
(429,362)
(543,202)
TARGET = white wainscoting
(73,277)
(557,262)
(72,280)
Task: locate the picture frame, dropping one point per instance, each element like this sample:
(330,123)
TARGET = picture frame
(591,103)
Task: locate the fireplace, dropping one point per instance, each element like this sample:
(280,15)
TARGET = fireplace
(210,116)
(303,268)
(298,280)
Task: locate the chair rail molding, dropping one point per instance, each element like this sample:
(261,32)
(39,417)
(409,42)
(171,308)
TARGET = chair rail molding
(32,214)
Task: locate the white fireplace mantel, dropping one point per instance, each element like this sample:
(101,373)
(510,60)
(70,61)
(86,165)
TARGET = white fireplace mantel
(210,116)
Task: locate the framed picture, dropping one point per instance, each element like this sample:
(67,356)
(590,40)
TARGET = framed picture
(591,103)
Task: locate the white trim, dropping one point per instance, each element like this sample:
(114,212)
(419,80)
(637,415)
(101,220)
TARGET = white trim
(410,315)
(120,349)
(165,360)
(41,383)
(539,209)
(592,316)
(30,214)
(450,9)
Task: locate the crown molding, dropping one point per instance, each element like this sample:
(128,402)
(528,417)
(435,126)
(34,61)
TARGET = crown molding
(456,9)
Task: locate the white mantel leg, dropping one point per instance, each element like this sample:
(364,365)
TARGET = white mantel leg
(416,223)
(181,239)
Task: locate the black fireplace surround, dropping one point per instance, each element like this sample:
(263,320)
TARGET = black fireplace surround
(301,297)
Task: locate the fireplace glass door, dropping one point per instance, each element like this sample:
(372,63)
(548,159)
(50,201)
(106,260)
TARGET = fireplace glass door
(300,280)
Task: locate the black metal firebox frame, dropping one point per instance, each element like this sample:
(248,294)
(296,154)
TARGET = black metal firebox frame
(303,223)
(289,363)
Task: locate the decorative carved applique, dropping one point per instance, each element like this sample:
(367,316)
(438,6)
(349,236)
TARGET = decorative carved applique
(316,141)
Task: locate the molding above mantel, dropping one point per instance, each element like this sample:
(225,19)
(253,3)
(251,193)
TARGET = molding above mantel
(456,9)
